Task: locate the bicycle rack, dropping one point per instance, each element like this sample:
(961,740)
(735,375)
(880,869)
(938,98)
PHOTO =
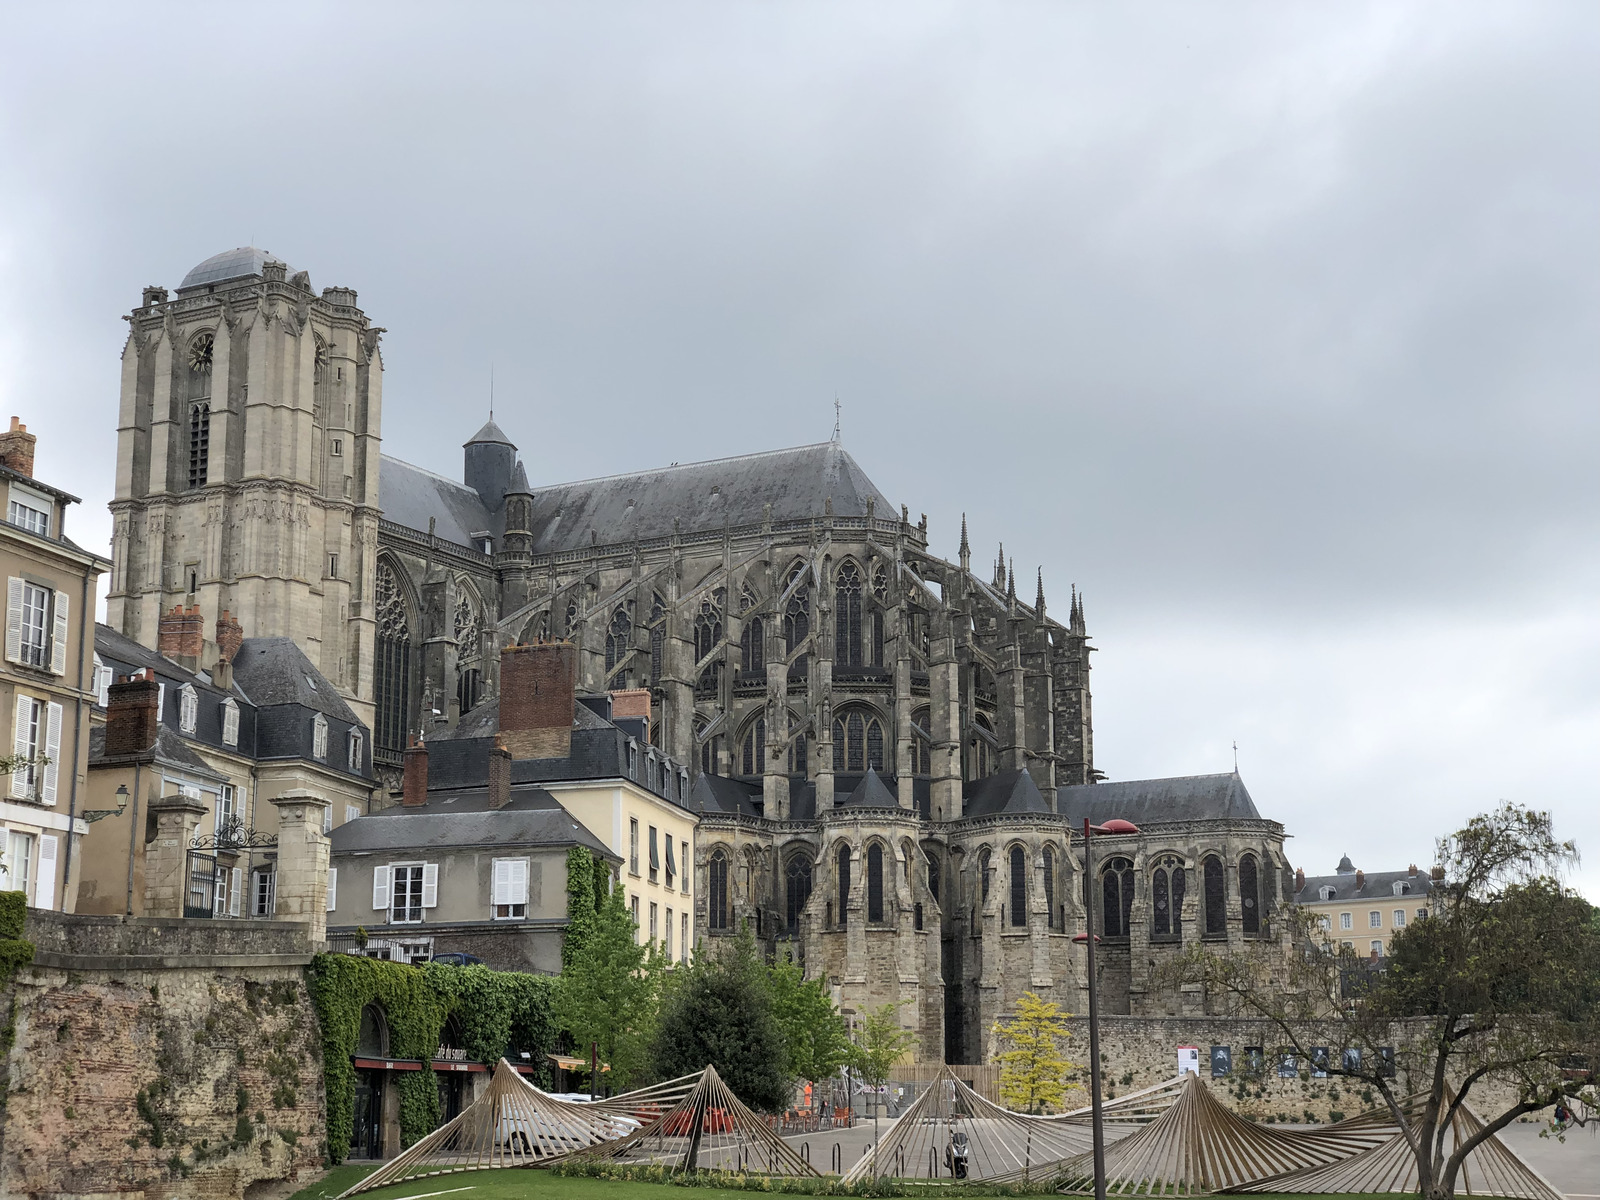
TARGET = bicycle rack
(838,1159)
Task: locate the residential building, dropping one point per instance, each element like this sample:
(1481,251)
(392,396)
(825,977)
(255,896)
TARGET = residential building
(46,680)
(473,860)
(1363,912)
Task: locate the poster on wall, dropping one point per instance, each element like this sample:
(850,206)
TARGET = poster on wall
(1189,1060)
(1288,1066)
(1221,1062)
(1319,1062)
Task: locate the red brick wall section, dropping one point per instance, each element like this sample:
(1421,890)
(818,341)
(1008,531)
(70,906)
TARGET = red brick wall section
(635,702)
(230,636)
(414,791)
(181,633)
(538,688)
(16,448)
(132,717)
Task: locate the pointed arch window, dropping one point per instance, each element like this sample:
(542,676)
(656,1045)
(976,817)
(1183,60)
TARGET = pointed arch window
(796,890)
(710,748)
(708,625)
(857,742)
(982,746)
(933,876)
(619,638)
(1019,887)
(921,743)
(1116,888)
(392,670)
(847,616)
(875,882)
(843,873)
(752,643)
(880,583)
(875,639)
(1215,896)
(799,754)
(1160,904)
(717,890)
(755,747)
(1050,887)
(797,619)
(658,635)
(983,876)
(1249,895)
(468,630)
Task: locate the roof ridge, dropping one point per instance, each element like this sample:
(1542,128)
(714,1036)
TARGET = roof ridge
(705,462)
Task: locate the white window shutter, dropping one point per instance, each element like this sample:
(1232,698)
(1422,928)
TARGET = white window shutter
(21,747)
(519,881)
(235,886)
(58,637)
(380,887)
(501,892)
(219,892)
(333,888)
(52,750)
(13,619)
(430,885)
(44,891)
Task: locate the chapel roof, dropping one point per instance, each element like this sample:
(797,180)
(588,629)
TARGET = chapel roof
(532,817)
(871,792)
(1005,792)
(1180,798)
(490,433)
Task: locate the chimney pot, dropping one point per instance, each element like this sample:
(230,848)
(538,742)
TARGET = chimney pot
(1361,879)
(1299,879)
(1437,875)
(16,448)
(499,773)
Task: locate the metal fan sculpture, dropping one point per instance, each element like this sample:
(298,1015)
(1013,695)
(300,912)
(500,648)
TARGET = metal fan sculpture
(200,353)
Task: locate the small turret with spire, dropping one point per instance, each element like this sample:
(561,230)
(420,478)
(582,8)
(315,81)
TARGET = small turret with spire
(1000,569)
(966,548)
(1038,602)
(1011,585)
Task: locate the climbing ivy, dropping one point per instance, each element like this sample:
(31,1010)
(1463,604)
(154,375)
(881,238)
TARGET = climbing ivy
(588,885)
(496,1010)
(15,953)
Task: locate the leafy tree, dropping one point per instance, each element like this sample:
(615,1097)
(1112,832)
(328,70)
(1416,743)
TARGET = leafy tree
(719,1010)
(813,1030)
(880,1042)
(608,992)
(1034,1066)
(1499,983)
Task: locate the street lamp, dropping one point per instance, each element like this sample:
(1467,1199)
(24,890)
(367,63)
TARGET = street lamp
(92,815)
(1116,827)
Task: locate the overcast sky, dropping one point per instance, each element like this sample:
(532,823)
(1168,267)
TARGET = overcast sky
(1271,327)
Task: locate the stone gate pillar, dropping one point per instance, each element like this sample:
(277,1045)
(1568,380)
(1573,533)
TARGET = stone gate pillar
(302,861)
(166,860)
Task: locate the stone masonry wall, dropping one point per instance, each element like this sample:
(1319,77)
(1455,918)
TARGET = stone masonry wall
(1140,1052)
(162,1059)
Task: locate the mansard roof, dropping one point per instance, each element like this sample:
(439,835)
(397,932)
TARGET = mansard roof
(1379,885)
(533,817)
(271,671)
(1004,792)
(694,497)
(1182,798)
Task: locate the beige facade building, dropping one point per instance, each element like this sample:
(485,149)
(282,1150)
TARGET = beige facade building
(46,680)
(1363,912)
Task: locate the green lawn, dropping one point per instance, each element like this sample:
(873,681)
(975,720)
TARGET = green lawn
(541,1185)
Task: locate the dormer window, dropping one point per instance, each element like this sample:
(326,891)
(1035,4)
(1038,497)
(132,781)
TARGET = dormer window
(1325,892)
(1401,887)
(356,758)
(30,510)
(230,722)
(188,708)
(319,737)
(104,677)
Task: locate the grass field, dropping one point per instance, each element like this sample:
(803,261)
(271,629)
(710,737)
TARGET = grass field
(541,1185)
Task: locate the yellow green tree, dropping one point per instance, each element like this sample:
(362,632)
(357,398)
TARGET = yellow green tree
(1033,1060)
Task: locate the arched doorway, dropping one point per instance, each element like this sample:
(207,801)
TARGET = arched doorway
(452,1083)
(372,1042)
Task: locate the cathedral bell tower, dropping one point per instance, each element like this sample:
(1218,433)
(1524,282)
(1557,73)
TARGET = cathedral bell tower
(247,464)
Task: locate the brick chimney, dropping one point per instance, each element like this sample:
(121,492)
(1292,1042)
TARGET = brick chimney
(499,773)
(230,636)
(1361,880)
(538,689)
(181,635)
(1412,868)
(1437,875)
(1299,879)
(132,714)
(16,448)
(414,791)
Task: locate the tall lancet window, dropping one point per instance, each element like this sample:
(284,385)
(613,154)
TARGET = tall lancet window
(199,363)
(847,616)
(392,670)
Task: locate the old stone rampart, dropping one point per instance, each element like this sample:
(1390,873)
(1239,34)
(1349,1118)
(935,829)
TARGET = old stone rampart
(161,1058)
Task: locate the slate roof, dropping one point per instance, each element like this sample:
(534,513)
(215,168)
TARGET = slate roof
(490,433)
(269,671)
(238,263)
(170,750)
(1379,885)
(1004,792)
(871,792)
(644,504)
(533,817)
(1181,798)
(113,647)
(719,794)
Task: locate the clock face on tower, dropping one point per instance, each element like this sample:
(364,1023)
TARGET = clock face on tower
(200,351)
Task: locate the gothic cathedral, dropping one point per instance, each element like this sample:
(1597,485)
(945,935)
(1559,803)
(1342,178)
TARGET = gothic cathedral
(891,752)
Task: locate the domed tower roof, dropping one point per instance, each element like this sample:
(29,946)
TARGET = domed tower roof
(1345,867)
(239,263)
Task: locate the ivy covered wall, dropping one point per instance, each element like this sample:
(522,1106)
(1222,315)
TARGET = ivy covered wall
(497,1012)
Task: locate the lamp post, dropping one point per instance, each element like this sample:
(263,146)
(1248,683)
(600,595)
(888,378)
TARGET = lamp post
(1113,828)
